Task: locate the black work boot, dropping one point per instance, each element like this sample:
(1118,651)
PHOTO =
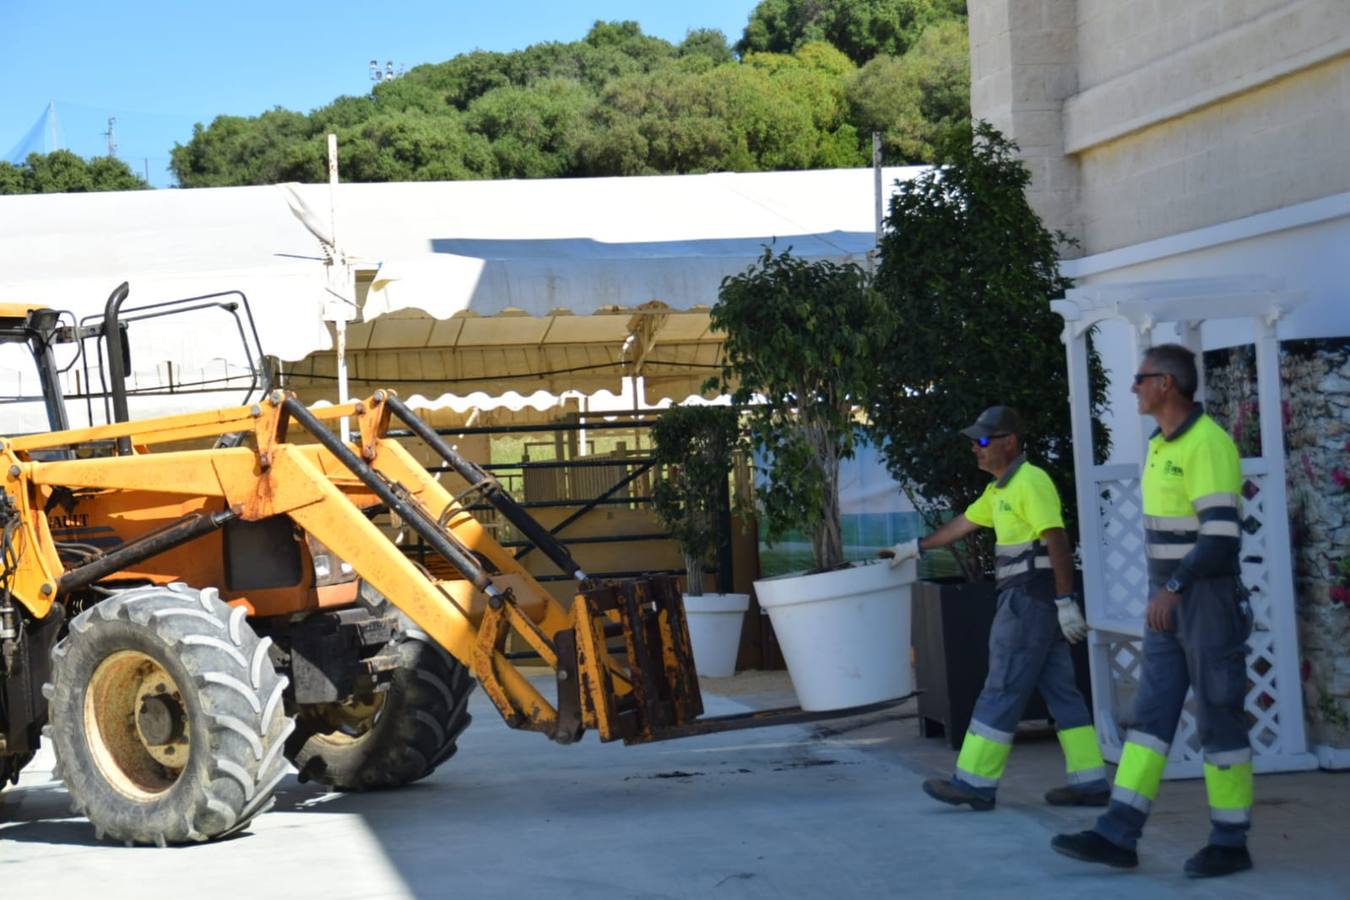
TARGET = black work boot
(1090,846)
(956,794)
(1067,795)
(1214,860)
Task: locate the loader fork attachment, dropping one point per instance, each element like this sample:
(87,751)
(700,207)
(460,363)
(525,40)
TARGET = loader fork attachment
(646,687)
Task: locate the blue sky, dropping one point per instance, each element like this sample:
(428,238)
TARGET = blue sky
(158,67)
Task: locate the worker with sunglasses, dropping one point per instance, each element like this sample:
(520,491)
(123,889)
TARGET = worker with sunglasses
(1038,616)
(1198,621)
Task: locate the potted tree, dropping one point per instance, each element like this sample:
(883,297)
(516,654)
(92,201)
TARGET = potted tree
(695,444)
(802,348)
(969,271)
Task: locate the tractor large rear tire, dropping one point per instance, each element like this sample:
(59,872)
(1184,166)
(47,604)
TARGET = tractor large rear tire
(167,717)
(411,729)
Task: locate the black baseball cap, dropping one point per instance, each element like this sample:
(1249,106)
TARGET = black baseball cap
(995,420)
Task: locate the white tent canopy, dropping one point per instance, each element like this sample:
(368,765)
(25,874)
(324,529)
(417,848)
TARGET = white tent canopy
(546,284)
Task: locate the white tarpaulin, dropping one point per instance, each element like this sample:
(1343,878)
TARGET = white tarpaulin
(589,278)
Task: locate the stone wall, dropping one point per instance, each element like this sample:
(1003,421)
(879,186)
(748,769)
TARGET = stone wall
(1315,379)
(1141,119)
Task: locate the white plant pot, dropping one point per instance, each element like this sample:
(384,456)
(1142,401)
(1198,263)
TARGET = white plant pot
(844,634)
(715,631)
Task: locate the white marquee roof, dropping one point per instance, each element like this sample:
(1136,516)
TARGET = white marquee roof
(461,281)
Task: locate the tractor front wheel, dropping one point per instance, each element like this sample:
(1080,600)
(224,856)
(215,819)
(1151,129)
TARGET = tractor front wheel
(399,735)
(167,717)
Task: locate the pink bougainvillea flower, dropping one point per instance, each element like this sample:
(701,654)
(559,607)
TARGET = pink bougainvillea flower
(1341,477)
(1341,594)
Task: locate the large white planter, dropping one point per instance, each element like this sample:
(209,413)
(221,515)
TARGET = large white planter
(715,631)
(844,634)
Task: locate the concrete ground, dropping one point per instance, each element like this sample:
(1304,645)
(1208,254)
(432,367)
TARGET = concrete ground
(832,810)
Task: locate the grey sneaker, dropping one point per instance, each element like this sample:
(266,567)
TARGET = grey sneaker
(956,794)
(1072,796)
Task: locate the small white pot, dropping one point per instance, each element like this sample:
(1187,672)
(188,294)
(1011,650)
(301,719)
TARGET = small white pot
(844,634)
(715,631)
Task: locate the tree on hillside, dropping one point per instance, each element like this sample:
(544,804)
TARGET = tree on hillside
(62,172)
(535,132)
(911,99)
(862,29)
(771,112)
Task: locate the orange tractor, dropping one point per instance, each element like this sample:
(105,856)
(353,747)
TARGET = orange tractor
(185,625)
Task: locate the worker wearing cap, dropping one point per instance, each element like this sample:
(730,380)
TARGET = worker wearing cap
(1037,614)
(1198,622)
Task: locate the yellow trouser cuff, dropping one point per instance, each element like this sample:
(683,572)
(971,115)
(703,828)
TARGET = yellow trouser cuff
(1080,748)
(1229,787)
(1140,770)
(982,757)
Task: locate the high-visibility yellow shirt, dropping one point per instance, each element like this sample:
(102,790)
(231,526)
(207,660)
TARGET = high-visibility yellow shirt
(1020,506)
(1200,459)
(1191,487)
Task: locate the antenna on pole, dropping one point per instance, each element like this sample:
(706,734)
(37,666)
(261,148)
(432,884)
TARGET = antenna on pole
(112,138)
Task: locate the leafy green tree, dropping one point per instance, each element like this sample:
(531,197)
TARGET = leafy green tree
(408,147)
(694,445)
(708,43)
(62,172)
(913,98)
(238,150)
(11,178)
(862,29)
(804,337)
(771,112)
(969,271)
(535,132)
(108,173)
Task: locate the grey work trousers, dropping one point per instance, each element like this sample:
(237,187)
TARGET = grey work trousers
(1206,651)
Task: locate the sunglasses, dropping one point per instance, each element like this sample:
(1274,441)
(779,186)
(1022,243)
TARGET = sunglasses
(984,441)
(1140,376)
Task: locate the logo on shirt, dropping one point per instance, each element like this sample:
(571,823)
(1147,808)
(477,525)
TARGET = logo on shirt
(1172,469)
(1004,506)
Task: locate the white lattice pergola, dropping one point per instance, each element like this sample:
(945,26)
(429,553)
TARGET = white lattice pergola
(1111,519)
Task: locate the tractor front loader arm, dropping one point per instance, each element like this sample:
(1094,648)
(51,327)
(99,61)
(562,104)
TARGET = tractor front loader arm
(620,654)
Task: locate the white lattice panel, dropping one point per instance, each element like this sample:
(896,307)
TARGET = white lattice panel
(1111,545)
(1124,589)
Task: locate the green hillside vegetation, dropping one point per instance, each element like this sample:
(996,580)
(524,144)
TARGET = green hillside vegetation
(62,172)
(804,88)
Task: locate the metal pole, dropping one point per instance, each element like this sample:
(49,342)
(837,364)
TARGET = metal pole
(340,320)
(878,211)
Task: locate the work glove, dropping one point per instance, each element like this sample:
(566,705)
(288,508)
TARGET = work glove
(901,552)
(1070,619)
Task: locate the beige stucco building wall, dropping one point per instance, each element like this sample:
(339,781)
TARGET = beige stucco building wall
(1144,118)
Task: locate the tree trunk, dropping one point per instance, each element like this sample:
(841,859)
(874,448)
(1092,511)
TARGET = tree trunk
(827,540)
(693,575)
